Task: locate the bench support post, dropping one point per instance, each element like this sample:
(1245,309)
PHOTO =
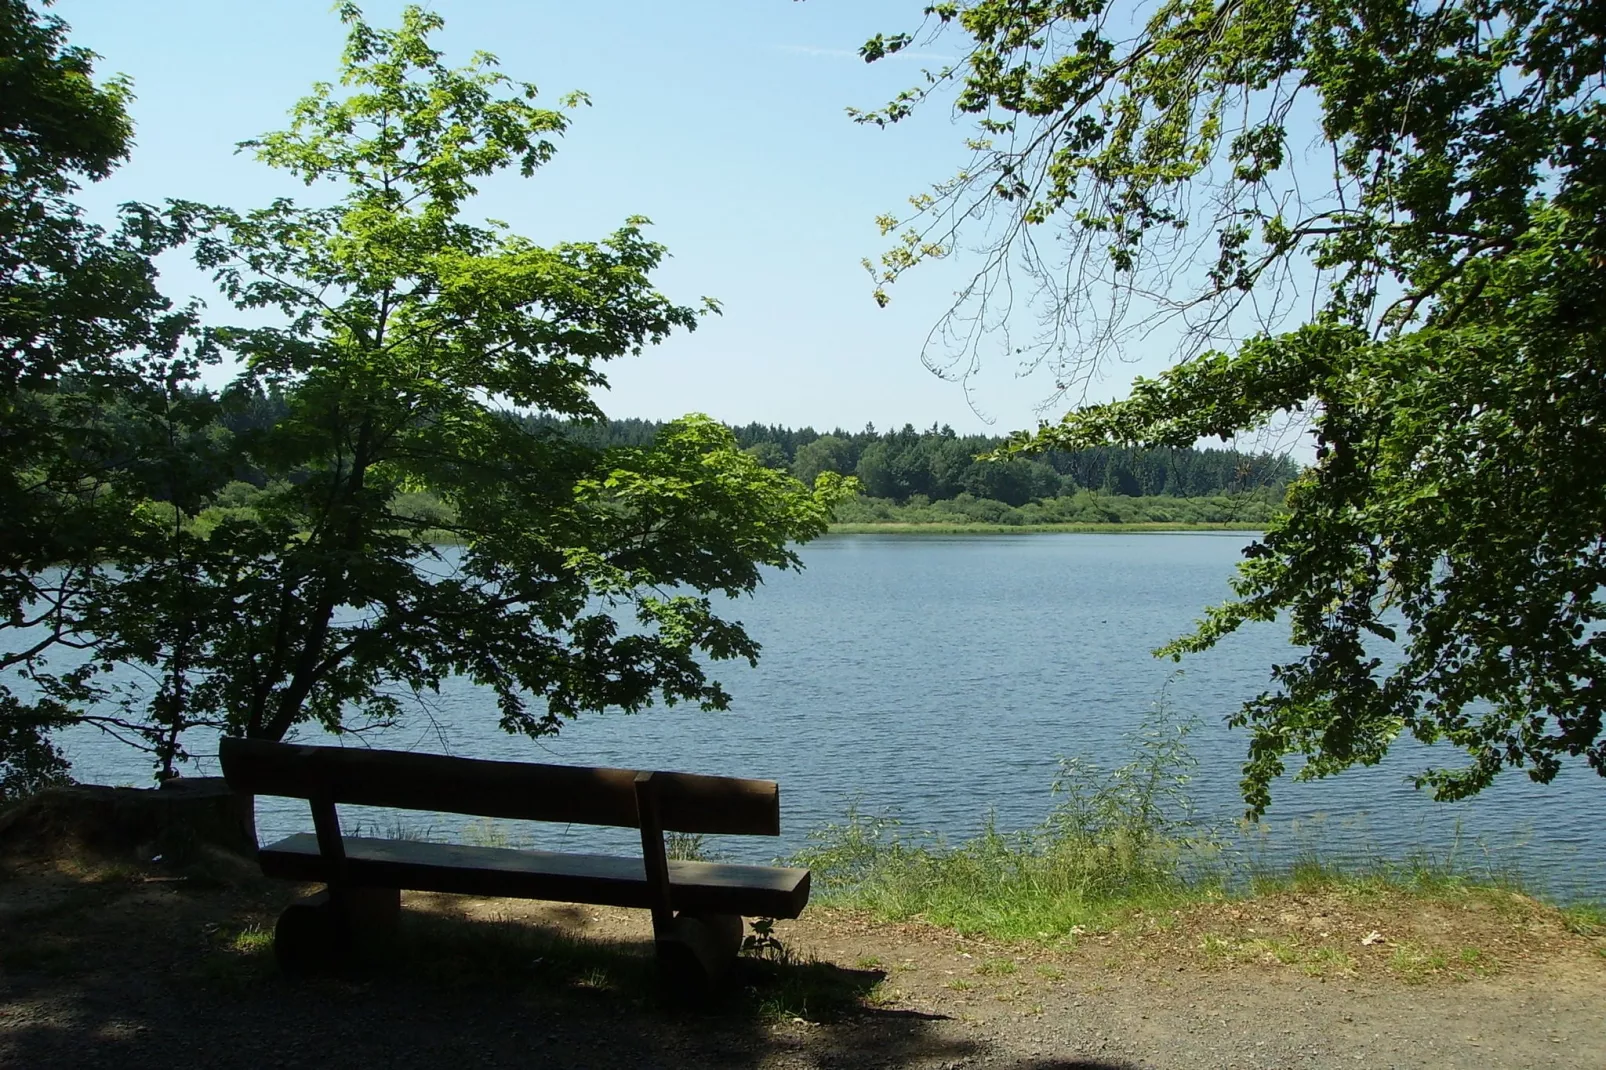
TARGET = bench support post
(694,951)
(322,931)
(314,936)
(653,857)
(326,823)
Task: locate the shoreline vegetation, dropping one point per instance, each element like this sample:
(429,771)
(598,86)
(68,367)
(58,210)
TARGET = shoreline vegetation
(1123,851)
(1082,511)
(904,527)
(1050,885)
(919,482)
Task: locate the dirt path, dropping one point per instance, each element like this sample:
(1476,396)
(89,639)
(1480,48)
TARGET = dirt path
(135,969)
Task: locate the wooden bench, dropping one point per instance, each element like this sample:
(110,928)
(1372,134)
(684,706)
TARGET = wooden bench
(696,907)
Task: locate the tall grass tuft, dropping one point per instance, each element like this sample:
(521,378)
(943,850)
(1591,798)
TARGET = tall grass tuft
(1117,839)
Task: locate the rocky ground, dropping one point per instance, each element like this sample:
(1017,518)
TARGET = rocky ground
(131,967)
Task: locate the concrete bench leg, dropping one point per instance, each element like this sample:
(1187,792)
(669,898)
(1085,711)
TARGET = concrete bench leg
(374,914)
(311,938)
(697,954)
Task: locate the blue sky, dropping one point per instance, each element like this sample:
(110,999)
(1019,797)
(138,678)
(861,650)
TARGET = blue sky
(721,121)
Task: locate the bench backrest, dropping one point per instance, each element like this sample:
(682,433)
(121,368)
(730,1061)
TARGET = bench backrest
(686,802)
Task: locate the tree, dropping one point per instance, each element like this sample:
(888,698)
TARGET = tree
(408,337)
(770,455)
(875,473)
(828,453)
(1442,562)
(949,460)
(1012,482)
(88,361)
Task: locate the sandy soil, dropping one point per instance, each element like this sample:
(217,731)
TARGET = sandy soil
(131,968)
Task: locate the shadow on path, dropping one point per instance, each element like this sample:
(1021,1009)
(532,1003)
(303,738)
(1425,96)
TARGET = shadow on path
(132,972)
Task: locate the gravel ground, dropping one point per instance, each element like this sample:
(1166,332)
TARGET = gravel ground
(134,969)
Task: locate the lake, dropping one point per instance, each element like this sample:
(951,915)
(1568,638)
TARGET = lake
(940,678)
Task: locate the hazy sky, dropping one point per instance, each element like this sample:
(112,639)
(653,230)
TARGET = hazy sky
(722,121)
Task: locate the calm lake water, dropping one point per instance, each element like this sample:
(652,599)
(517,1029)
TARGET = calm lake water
(939,679)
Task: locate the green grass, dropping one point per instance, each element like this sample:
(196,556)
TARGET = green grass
(1054,883)
(1586,919)
(899,527)
(252,940)
(1416,964)
(1325,960)
(1314,960)
(236,959)
(1118,841)
(1424,875)
(687,847)
(1122,849)
(1007,887)
(997,968)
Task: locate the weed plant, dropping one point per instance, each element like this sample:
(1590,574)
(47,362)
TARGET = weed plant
(1116,839)
(688,847)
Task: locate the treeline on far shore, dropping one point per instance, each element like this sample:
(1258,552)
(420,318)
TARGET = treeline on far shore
(936,469)
(917,478)
(1083,508)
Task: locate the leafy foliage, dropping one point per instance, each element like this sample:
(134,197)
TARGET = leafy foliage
(88,354)
(1085,509)
(1442,561)
(405,338)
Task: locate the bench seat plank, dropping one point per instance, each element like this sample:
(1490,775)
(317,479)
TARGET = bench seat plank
(714,887)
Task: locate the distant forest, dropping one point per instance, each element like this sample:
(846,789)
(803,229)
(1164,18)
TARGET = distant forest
(930,477)
(938,464)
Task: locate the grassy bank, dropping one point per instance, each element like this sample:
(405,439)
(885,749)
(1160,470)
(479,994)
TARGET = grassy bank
(897,527)
(1123,847)
(1050,890)
(1083,509)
